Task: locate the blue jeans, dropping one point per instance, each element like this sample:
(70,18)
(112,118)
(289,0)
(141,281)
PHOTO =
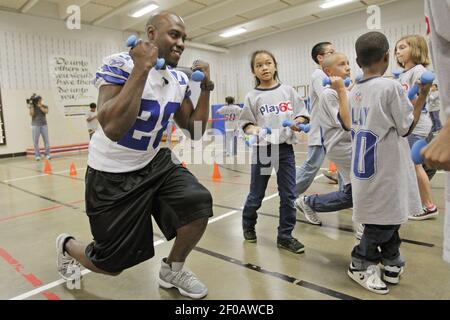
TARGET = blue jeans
(437,125)
(37,132)
(264,159)
(307,172)
(333,201)
(386,238)
(413,138)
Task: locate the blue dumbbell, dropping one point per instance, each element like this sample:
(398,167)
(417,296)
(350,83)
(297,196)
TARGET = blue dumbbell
(396,73)
(416,151)
(427,78)
(262,135)
(304,127)
(327,82)
(197,76)
(132,42)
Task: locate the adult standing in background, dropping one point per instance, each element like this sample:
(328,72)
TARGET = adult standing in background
(231,113)
(38,112)
(437,154)
(91,119)
(434,106)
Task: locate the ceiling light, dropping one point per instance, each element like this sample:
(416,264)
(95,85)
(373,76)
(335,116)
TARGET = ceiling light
(233,32)
(334,3)
(143,11)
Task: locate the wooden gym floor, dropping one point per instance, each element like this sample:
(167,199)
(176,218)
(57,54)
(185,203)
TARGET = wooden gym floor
(36,207)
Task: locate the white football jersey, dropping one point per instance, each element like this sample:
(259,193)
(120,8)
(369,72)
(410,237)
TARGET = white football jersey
(270,108)
(336,140)
(163,94)
(231,114)
(384,183)
(408,79)
(316,89)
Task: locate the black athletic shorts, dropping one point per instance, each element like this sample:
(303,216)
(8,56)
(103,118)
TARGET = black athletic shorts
(120,206)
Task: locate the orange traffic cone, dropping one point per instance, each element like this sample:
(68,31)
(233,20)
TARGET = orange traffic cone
(332,167)
(47,167)
(183,164)
(216,172)
(73,171)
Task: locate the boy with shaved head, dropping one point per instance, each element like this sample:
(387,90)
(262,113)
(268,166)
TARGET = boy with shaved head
(129,177)
(335,124)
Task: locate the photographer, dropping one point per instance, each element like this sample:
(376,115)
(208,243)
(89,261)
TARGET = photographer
(91,119)
(39,127)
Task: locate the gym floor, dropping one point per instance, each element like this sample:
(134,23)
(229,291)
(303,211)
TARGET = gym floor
(36,207)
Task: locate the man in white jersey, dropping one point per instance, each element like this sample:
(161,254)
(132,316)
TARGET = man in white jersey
(437,154)
(316,153)
(129,178)
(384,185)
(231,112)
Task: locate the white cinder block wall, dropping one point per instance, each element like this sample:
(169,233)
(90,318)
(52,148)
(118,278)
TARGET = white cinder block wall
(26,44)
(292,48)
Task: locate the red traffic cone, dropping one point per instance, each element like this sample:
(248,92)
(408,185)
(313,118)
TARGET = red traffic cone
(216,172)
(47,167)
(73,171)
(332,167)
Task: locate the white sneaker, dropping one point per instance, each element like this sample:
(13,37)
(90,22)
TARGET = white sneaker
(184,280)
(68,267)
(369,279)
(310,215)
(38,158)
(48,157)
(392,274)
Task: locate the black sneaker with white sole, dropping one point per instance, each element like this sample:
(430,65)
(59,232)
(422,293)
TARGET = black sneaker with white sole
(292,245)
(250,235)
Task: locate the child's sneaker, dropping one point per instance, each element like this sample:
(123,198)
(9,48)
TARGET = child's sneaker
(292,245)
(310,215)
(392,274)
(250,235)
(369,279)
(428,212)
(184,280)
(68,267)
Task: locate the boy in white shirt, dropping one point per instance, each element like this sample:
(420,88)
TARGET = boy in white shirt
(385,189)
